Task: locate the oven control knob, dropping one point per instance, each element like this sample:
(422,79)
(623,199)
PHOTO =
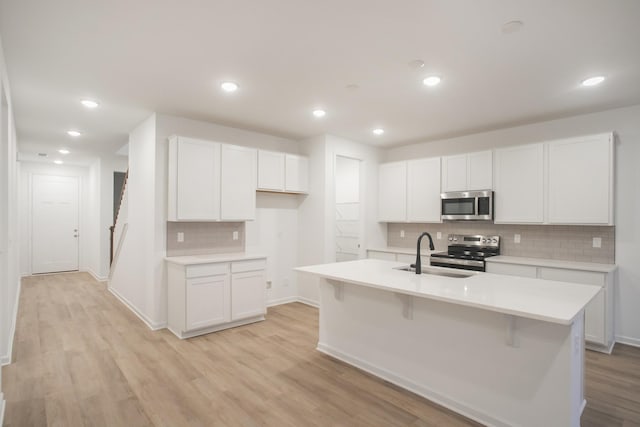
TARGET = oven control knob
(484,240)
(451,239)
(494,240)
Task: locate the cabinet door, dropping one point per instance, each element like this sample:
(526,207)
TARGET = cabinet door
(454,173)
(423,190)
(248,294)
(238,194)
(208,301)
(296,174)
(392,192)
(519,184)
(194,189)
(595,324)
(581,180)
(480,171)
(270,171)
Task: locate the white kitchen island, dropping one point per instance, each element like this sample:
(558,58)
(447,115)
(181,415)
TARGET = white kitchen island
(503,350)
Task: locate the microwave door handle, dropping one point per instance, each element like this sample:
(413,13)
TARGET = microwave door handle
(477,206)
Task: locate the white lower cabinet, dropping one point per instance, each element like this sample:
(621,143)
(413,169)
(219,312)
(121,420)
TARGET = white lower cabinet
(208,301)
(598,327)
(209,297)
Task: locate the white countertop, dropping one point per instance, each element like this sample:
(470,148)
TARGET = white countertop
(207,258)
(553,263)
(550,301)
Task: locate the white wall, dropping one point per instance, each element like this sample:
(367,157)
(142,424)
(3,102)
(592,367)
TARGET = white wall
(85,244)
(316,214)
(9,250)
(133,277)
(626,123)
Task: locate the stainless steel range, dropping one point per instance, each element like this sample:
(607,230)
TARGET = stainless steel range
(467,252)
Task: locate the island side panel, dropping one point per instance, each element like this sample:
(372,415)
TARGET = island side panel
(458,356)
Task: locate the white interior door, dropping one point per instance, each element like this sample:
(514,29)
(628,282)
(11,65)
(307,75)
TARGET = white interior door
(347,193)
(54,222)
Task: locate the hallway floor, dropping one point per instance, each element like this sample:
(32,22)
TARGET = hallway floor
(82,358)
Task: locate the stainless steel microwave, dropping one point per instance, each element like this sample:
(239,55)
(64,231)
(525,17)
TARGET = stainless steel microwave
(467,205)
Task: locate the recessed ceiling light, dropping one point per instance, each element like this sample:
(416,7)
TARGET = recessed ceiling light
(89,103)
(416,64)
(73,133)
(63,151)
(229,86)
(432,81)
(593,81)
(378,131)
(512,26)
(319,113)
(58,162)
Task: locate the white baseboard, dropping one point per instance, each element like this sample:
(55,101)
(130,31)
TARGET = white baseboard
(154,326)
(427,393)
(308,301)
(281,301)
(2,406)
(635,342)
(6,358)
(97,276)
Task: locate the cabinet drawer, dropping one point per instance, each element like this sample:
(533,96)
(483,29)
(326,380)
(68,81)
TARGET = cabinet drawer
(201,270)
(512,269)
(573,276)
(253,265)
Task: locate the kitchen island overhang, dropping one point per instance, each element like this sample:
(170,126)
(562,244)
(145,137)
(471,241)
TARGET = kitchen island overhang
(501,350)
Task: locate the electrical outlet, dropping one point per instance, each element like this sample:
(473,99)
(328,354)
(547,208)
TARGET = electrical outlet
(180,237)
(516,238)
(402,234)
(439,235)
(597,242)
(268,284)
(235,235)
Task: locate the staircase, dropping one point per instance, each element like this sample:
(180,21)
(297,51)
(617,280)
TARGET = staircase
(119,228)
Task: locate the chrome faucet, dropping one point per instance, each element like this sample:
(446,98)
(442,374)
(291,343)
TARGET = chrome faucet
(418,259)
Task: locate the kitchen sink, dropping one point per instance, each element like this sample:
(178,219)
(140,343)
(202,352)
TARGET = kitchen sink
(435,272)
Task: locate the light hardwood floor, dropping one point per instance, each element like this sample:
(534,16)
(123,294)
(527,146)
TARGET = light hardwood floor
(82,358)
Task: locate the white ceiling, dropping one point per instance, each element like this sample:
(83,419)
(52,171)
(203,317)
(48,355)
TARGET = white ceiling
(291,56)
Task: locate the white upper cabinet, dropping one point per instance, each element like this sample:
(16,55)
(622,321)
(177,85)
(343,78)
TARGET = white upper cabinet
(581,180)
(423,190)
(282,172)
(519,184)
(270,171)
(296,174)
(409,191)
(471,171)
(209,181)
(238,194)
(454,173)
(194,180)
(392,192)
(480,170)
